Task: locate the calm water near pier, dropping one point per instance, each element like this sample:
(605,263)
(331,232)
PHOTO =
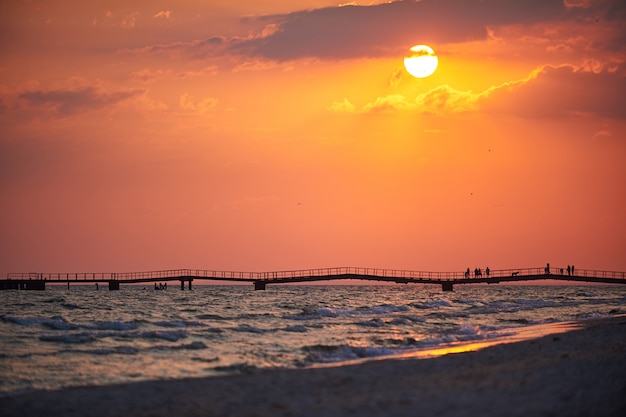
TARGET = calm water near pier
(59,337)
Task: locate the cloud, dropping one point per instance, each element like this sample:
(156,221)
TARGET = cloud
(384,29)
(342,106)
(446,99)
(147,75)
(548,92)
(166,14)
(130,21)
(440,100)
(202,106)
(65,102)
(389,103)
(603,133)
(563,91)
(388,29)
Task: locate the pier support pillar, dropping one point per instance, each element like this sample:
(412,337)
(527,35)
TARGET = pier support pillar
(114,285)
(447,286)
(37,285)
(9,285)
(259,285)
(190,284)
(182,285)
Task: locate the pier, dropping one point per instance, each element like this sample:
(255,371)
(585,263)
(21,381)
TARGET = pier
(447,280)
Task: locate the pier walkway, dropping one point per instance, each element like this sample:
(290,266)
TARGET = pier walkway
(447,280)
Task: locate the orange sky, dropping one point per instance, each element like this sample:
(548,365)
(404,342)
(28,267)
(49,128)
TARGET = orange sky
(257,136)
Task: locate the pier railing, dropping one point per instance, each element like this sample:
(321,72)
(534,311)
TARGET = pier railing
(347,272)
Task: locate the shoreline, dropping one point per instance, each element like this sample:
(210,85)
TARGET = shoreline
(577,372)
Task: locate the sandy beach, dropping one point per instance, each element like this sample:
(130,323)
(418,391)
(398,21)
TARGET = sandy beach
(577,373)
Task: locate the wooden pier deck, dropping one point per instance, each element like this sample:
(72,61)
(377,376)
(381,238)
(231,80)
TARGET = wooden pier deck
(447,280)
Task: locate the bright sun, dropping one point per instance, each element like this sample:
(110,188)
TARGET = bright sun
(421,61)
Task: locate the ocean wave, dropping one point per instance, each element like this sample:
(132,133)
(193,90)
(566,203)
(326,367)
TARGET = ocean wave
(375,322)
(189,346)
(341,353)
(462,333)
(71,306)
(111,325)
(116,350)
(237,368)
(53,323)
(210,317)
(60,323)
(431,304)
(295,329)
(179,323)
(248,329)
(170,335)
(71,338)
(326,312)
(382,309)
(54,300)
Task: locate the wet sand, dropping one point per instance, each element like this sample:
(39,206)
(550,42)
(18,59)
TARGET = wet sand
(576,373)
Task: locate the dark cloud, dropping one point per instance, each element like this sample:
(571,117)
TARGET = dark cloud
(361,31)
(563,91)
(347,32)
(67,102)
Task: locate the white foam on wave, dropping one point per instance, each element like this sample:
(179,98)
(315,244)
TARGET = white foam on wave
(343,353)
(432,304)
(326,312)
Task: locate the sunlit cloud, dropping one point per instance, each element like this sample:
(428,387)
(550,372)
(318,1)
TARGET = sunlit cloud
(342,106)
(165,14)
(204,105)
(446,99)
(259,65)
(548,91)
(603,133)
(130,21)
(389,103)
(147,75)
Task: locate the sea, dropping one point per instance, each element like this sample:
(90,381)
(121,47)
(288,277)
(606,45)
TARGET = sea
(83,336)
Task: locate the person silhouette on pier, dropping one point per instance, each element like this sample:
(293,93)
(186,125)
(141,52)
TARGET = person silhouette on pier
(569,270)
(487,272)
(467,273)
(572,269)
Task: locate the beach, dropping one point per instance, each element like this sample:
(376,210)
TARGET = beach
(576,373)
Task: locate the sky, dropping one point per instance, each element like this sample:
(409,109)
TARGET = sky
(251,135)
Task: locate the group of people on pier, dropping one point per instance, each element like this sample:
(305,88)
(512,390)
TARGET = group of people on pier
(478,273)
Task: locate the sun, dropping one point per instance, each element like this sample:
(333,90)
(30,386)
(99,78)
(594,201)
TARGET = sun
(421,61)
